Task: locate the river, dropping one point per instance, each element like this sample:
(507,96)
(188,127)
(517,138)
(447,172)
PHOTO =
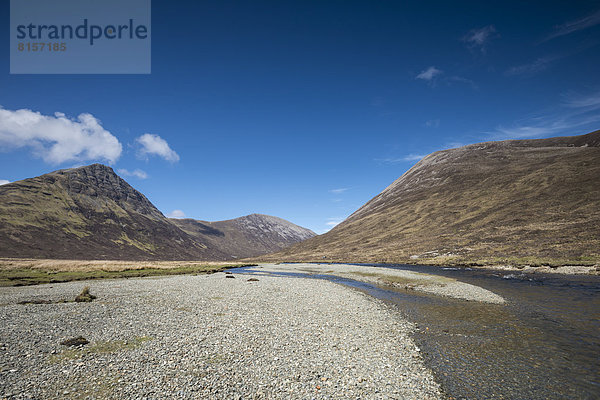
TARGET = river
(544,343)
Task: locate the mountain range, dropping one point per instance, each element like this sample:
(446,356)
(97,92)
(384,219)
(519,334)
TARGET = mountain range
(92,213)
(516,201)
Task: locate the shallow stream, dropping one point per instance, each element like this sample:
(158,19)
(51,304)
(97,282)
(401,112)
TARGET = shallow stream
(543,344)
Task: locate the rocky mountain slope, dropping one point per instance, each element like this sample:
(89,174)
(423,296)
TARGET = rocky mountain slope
(247,236)
(514,200)
(92,213)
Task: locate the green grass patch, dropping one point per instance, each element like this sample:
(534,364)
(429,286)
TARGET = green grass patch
(27,276)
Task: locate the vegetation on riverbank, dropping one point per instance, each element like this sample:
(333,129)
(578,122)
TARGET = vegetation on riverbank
(23,272)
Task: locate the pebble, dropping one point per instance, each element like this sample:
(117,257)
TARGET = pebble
(203,336)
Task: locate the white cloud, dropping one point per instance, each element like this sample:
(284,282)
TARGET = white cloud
(432,123)
(479,38)
(429,74)
(155,145)
(531,68)
(176,214)
(57,139)
(338,191)
(577,25)
(138,173)
(3,182)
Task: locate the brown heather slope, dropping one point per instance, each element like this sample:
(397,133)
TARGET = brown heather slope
(519,201)
(89,213)
(248,236)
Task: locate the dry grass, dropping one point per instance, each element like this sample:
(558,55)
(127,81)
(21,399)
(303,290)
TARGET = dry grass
(20,272)
(517,205)
(100,265)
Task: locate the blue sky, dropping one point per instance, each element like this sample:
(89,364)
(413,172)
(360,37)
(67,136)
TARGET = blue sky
(306,110)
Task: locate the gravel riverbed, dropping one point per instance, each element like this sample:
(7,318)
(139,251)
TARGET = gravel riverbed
(418,281)
(208,336)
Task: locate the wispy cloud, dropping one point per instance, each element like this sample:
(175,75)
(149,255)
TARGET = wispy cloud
(334,221)
(525,131)
(454,145)
(56,138)
(155,145)
(579,112)
(417,157)
(576,25)
(432,123)
(395,160)
(433,75)
(413,157)
(3,182)
(479,38)
(459,79)
(176,214)
(591,101)
(330,224)
(429,74)
(339,190)
(138,173)
(533,67)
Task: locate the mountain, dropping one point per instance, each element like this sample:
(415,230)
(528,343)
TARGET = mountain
(247,236)
(92,213)
(88,213)
(510,200)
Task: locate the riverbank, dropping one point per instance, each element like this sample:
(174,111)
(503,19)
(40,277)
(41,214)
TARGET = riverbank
(545,269)
(24,272)
(208,336)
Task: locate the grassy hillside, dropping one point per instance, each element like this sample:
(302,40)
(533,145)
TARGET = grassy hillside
(520,202)
(91,213)
(88,213)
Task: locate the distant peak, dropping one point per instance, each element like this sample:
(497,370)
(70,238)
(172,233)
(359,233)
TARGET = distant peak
(90,169)
(263,217)
(259,215)
(97,167)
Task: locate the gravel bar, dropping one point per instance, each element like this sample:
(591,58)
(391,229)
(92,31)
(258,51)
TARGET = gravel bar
(207,336)
(429,283)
